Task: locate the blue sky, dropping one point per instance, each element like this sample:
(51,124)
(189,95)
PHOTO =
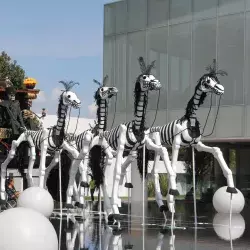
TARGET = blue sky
(56,40)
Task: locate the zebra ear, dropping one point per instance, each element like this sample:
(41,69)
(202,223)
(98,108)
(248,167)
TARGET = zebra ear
(105,79)
(221,72)
(150,67)
(68,85)
(97,82)
(142,64)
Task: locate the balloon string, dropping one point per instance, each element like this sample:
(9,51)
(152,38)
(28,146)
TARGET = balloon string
(230,223)
(60,184)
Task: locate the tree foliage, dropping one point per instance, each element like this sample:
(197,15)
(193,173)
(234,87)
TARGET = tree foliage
(10,68)
(163,180)
(203,164)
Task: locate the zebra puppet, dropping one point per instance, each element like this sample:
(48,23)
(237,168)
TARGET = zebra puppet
(47,140)
(126,138)
(102,96)
(186,132)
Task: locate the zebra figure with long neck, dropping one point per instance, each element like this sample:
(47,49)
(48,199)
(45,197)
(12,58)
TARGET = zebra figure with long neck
(127,138)
(185,132)
(47,140)
(102,96)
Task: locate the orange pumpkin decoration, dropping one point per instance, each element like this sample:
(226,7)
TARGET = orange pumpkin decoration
(30,83)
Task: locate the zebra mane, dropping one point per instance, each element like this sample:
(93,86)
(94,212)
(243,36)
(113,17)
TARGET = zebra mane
(104,81)
(68,85)
(189,108)
(137,92)
(98,111)
(59,114)
(213,70)
(146,70)
(98,104)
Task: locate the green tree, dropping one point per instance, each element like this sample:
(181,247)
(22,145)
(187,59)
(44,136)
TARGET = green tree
(163,180)
(203,164)
(11,69)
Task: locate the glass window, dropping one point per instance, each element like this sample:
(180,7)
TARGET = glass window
(136,48)
(204,9)
(180,11)
(231,6)
(108,62)
(158,12)
(121,19)
(120,72)
(137,14)
(231,57)
(109,19)
(247,66)
(229,122)
(248,4)
(179,49)
(157,50)
(204,51)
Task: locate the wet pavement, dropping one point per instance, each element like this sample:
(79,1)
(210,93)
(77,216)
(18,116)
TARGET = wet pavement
(212,232)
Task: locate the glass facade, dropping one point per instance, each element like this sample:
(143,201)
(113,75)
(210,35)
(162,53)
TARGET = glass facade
(183,36)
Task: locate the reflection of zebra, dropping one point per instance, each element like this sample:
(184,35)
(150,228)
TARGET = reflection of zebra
(49,140)
(80,228)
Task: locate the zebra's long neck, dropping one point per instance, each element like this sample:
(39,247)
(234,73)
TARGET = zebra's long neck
(61,118)
(193,105)
(102,116)
(140,111)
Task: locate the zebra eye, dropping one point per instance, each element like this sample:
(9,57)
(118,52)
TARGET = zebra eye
(101,89)
(208,80)
(68,96)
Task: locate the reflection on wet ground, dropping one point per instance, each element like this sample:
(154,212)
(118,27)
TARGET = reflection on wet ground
(85,230)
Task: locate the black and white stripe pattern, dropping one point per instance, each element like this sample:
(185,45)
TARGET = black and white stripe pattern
(167,132)
(102,117)
(113,135)
(76,141)
(131,141)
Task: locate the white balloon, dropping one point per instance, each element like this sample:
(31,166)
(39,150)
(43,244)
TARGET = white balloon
(38,199)
(25,229)
(221,201)
(221,226)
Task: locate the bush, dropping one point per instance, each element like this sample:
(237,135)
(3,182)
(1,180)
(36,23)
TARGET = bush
(163,179)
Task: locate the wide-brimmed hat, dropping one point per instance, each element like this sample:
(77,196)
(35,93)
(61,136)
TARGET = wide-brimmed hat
(10,90)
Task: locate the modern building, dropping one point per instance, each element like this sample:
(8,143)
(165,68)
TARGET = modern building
(184,36)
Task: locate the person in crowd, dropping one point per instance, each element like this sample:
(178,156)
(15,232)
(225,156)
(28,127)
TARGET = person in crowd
(189,194)
(10,113)
(92,187)
(12,194)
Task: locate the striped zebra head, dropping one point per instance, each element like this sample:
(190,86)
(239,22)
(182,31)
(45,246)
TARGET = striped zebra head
(146,79)
(149,82)
(211,84)
(69,98)
(104,92)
